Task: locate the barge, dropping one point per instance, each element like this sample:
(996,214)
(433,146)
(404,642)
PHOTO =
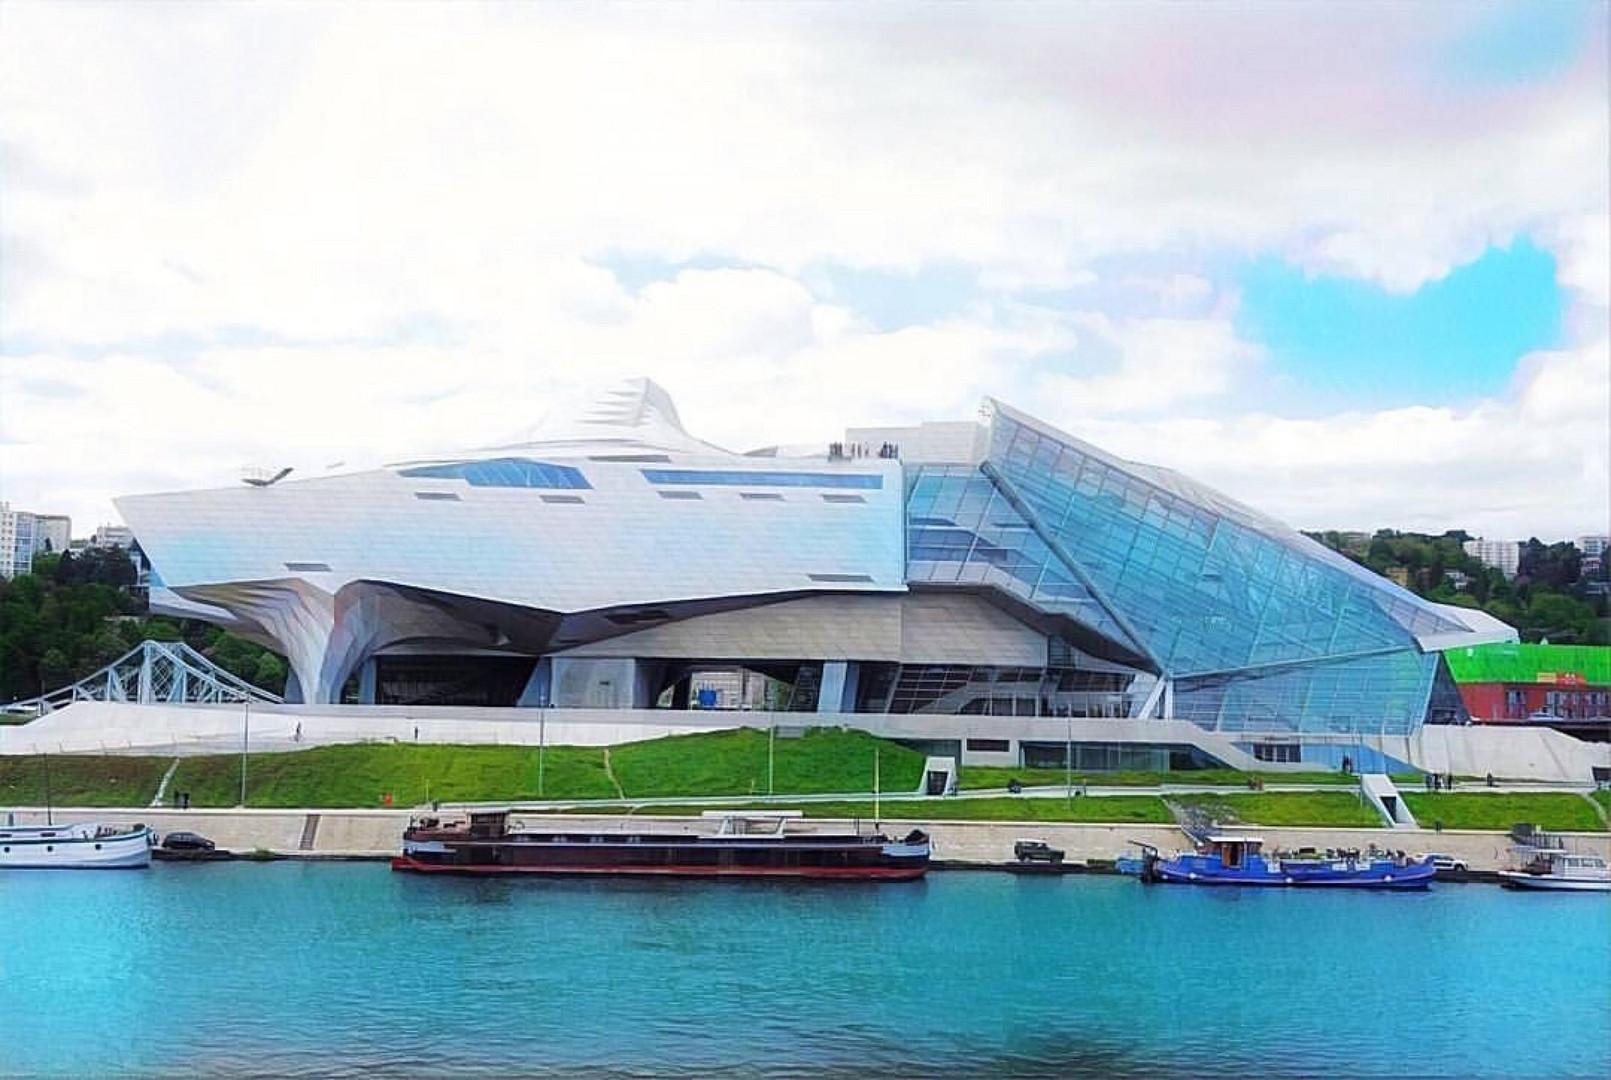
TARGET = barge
(751,844)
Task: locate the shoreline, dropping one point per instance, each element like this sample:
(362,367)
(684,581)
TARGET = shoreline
(374,834)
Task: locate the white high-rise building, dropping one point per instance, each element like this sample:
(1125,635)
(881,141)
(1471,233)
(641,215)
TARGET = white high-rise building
(1504,555)
(52,532)
(23,535)
(1593,549)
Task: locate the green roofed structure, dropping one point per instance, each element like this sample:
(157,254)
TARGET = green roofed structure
(1561,686)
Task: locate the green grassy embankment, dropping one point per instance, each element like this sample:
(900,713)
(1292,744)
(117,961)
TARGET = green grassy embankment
(1115,809)
(980,777)
(360,774)
(1603,797)
(81,781)
(1339,809)
(823,761)
(1551,811)
(723,763)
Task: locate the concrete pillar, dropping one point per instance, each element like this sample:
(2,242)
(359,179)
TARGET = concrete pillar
(536,694)
(366,682)
(840,679)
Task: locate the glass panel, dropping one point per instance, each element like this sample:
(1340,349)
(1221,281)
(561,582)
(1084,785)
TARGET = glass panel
(503,472)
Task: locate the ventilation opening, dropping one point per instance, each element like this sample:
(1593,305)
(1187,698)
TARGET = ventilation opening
(843,499)
(562,498)
(640,459)
(759,496)
(635,618)
(436,496)
(308,567)
(680,495)
(848,578)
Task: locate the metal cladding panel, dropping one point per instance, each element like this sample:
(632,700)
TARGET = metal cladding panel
(620,541)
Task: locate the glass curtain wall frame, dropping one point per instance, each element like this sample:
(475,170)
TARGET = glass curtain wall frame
(1205,588)
(961,530)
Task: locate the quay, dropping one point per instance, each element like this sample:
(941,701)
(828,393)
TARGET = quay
(377,834)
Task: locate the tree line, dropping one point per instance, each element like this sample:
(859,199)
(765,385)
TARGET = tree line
(77,612)
(1549,598)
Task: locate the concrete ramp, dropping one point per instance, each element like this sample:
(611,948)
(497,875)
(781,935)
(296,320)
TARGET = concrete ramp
(1381,793)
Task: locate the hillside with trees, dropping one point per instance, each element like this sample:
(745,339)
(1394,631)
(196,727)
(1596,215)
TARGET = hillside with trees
(1548,599)
(75,613)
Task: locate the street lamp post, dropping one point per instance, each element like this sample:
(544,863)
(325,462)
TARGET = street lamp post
(246,727)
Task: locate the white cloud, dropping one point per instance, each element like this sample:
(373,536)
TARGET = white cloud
(403,216)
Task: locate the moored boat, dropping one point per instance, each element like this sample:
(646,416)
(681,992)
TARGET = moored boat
(1240,860)
(743,845)
(79,846)
(1557,870)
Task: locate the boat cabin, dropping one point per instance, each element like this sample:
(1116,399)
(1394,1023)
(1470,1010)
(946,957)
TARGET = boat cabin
(1233,851)
(488,824)
(751,822)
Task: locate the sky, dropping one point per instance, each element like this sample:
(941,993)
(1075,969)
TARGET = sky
(1349,263)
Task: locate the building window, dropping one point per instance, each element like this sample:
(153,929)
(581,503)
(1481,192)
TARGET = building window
(990,746)
(1282,752)
(503,472)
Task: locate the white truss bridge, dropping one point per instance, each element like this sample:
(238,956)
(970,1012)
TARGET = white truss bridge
(153,673)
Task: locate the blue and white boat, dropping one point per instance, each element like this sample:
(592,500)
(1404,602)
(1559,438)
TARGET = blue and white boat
(1240,860)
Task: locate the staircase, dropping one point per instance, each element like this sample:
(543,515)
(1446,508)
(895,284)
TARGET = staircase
(1381,793)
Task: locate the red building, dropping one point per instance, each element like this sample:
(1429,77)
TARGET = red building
(1561,686)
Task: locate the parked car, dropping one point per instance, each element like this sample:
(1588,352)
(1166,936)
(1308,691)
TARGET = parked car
(1445,864)
(187,841)
(1026,851)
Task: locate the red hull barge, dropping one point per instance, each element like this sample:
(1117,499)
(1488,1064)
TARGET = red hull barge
(744,845)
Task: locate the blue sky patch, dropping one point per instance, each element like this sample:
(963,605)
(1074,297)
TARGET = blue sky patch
(1450,340)
(1520,42)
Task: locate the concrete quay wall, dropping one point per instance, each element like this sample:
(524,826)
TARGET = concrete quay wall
(378,833)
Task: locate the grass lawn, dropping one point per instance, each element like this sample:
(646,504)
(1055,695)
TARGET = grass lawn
(1556,811)
(1329,808)
(823,761)
(979,777)
(1603,797)
(360,774)
(722,763)
(81,781)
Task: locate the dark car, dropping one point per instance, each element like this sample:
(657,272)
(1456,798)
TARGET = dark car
(1036,851)
(187,841)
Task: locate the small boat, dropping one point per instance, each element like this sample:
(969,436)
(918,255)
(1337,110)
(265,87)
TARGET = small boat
(1240,860)
(754,844)
(1559,871)
(79,846)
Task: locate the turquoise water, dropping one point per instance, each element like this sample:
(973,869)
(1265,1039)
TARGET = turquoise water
(297,969)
